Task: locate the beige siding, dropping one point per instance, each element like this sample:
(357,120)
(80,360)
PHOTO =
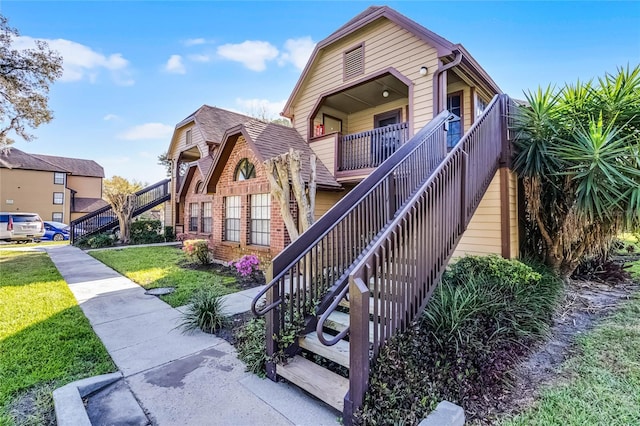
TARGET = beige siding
(325,200)
(385,45)
(85,187)
(513,215)
(197,140)
(483,235)
(363,120)
(324,149)
(466,101)
(32,191)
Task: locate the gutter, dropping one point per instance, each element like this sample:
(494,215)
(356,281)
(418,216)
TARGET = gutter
(437,100)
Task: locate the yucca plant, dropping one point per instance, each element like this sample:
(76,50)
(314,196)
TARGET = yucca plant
(205,311)
(577,151)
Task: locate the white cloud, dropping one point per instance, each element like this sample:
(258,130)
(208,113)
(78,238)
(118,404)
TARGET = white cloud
(251,53)
(147,131)
(81,62)
(110,117)
(261,108)
(200,58)
(297,51)
(174,65)
(194,41)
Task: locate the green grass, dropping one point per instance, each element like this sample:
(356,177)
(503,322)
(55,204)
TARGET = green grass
(40,244)
(154,267)
(603,380)
(45,339)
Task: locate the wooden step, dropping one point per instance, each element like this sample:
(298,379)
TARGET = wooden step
(338,353)
(318,381)
(338,321)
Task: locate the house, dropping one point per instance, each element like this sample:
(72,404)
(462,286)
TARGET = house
(413,145)
(57,188)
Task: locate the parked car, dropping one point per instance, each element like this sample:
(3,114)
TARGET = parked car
(20,226)
(55,231)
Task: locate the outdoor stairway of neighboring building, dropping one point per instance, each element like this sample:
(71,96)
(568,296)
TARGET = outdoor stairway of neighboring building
(368,267)
(105,219)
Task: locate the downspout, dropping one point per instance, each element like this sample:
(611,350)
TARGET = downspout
(441,89)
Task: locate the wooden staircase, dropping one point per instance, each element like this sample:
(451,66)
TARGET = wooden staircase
(371,263)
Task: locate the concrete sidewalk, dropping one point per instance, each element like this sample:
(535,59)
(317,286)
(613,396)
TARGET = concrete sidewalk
(193,379)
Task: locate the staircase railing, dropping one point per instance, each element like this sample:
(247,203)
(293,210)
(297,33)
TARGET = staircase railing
(370,148)
(405,264)
(105,218)
(319,260)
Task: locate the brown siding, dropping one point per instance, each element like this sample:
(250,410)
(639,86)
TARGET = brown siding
(324,148)
(86,187)
(32,191)
(513,215)
(325,200)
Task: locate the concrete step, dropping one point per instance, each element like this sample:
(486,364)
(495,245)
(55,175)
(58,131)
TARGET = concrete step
(318,381)
(338,353)
(115,405)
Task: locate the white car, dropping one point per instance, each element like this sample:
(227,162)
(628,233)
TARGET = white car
(20,226)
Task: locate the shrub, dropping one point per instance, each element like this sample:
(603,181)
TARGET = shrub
(247,265)
(169,234)
(482,317)
(146,232)
(105,239)
(204,312)
(251,345)
(197,250)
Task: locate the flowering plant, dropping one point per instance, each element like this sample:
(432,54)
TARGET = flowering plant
(247,265)
(197,250)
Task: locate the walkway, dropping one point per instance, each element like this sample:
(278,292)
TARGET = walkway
(191,379)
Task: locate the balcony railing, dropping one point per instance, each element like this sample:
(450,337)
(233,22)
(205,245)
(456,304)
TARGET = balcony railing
(369,149)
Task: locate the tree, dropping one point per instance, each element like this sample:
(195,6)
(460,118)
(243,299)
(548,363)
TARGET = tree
(578,154)
(25,76)
(120,193)
(285,176)
(165,161)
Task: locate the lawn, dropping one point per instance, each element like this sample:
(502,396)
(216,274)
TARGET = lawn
(154,267)
(601,383)
(45,339)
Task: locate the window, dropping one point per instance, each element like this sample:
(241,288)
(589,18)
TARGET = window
(58,198)
(260,219)
(454,105)
(354,62)
(188,137)
(245,170)
(57,217)
(206,218)
(58,178)
(193,217)
(481,105)
(198,188)
(232,218)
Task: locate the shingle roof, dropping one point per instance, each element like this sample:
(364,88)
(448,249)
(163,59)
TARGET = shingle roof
(77,166)
(86,205)
(16,159)
(213,121)
(271,140)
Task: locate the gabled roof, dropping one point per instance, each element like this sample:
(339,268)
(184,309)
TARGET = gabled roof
(87,205)
(203,165)
(211,122)
(16,159)
(268,140)
(75,166)
(443,46)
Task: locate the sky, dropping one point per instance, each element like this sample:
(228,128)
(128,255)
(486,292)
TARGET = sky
(134,69)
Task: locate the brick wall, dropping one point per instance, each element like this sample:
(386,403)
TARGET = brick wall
(225,250)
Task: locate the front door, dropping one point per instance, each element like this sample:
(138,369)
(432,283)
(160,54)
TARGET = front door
(385,141)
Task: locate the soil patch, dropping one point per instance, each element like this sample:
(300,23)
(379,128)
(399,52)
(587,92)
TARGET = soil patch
(228,332)
(585,303)
(254,280)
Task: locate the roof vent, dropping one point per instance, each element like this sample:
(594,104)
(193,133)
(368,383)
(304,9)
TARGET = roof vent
(354,62)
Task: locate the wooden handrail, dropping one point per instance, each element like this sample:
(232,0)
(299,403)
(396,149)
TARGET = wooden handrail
(405,264)
(370,148)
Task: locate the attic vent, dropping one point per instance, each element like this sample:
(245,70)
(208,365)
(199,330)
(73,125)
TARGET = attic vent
(354,62)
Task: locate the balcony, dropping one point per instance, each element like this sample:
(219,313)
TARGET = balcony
(367,150)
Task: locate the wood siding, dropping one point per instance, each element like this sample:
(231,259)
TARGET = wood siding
(513,215)
(197,140)
(325,200)
(483,235)
(85,187)
(325,150)
(466,102)
(385,45)
(363,120)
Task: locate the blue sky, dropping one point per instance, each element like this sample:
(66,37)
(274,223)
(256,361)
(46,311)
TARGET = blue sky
(135,69)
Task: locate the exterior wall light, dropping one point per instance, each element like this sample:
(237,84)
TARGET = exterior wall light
(385,93)
(423,71)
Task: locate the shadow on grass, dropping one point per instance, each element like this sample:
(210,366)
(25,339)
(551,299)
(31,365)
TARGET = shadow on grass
(46,355)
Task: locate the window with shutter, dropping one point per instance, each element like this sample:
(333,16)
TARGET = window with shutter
(354,62)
